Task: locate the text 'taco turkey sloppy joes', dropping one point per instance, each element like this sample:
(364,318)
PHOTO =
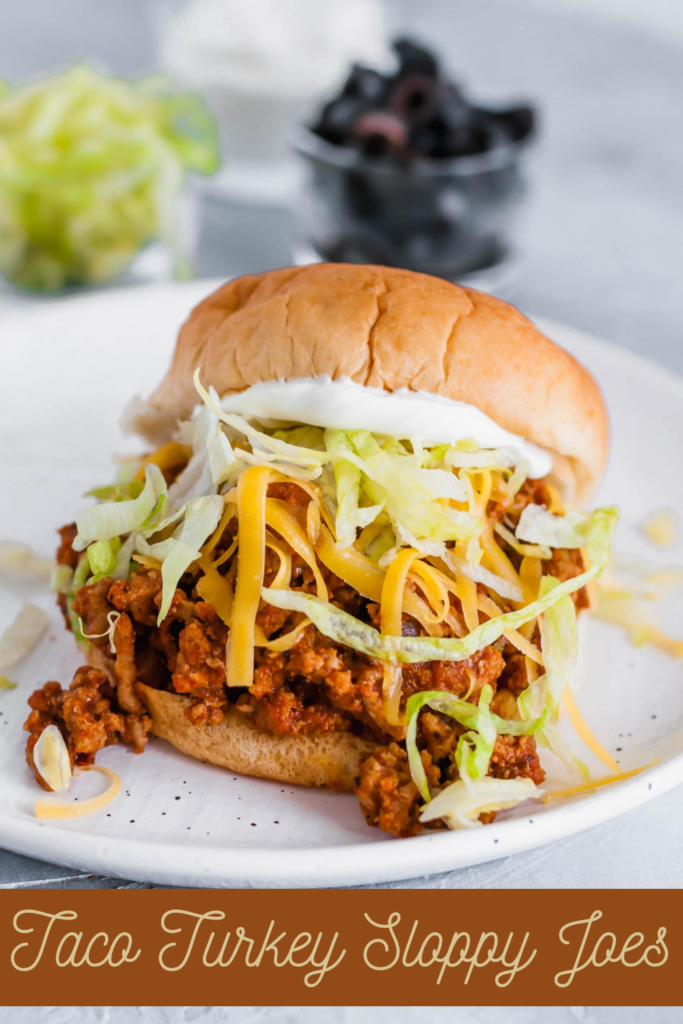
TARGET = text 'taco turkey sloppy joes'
(356,554)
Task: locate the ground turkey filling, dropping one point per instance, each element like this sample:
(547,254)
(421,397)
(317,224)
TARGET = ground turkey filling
(316,687)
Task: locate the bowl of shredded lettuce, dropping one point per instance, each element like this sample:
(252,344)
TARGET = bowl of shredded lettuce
(91,170)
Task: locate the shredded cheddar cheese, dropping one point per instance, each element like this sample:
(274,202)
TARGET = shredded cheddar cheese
(580,727)
(58,809)
(148,561)
(170,458)
(314,493)
(282,517)
(515,637)
(281,643)
(313,522)
(530,572)
(466,591)
(251,517)
(661,528)
(368,534)
(351,566)
(210,546)
(556,504)
(419,610)
(432,584)
(589,787)
(392,625)
(228,553)
(215,590)
(283,577)
(496,560)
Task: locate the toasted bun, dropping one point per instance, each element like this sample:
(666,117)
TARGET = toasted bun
(331,759)
(390,329)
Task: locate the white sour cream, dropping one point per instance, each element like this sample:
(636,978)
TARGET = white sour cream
(344,405)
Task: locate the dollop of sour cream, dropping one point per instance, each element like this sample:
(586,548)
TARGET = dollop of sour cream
(345,405)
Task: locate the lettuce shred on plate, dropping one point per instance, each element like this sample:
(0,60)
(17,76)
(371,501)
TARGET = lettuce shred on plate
(90,171)
(423,598)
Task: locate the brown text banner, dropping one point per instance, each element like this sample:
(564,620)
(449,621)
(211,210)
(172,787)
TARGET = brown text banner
(341,947)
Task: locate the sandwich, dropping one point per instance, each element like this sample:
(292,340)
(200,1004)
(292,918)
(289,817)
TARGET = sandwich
(353,553)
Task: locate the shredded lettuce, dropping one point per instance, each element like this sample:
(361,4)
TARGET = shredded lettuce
(473,753)
(477,458)
(102,556)
(536,701)
(213,461)
(518,477)
(347,478)
(201,516)
(549,737)
(410,495)
(538,525)
(473,571)
(90,171)
(78,580)
(21,561)
(372,475)
(121,491)
(113,518)
(350,516)
(559,641)
(22,634)
(476,718)
(530,550)
(60,581)
(269,447)
(382,547)
(461,803)
(122,565)
(303,435)
(344,628)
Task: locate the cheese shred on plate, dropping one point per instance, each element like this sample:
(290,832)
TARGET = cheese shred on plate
(60,809)
(589,787)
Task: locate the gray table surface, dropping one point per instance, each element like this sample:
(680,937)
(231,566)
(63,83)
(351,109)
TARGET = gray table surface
(603,251)
(344,1015)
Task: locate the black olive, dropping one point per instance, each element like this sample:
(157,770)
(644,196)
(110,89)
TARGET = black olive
(337,119)
(488,132)
(416,112)
(437,138)
(366,84)
(453,108)
(518,122)
(415,59)
(414,98)
(380,133)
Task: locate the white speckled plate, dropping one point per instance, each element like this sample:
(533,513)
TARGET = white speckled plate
(66,371)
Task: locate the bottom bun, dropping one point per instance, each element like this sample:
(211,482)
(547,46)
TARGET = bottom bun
(332,759)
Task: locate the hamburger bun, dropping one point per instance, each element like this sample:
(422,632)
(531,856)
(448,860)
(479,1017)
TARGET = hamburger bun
(331,759)
(390,329)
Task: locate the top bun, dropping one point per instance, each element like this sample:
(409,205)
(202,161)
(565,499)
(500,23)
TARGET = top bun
(390,329)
